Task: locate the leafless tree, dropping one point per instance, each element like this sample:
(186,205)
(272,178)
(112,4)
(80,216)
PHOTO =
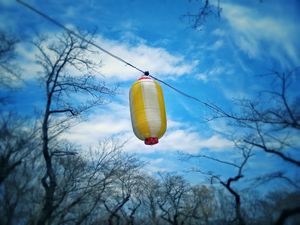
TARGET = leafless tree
(225,205)
(87,182)
(126,181)
(206,8)
(227,183)
(8,72)
(17,140)
(278,207)
(173,189)
(131,212)
(16,192)
(271,123)
(150,199)
(19,169)
(60,59)
(200,205)
(275,124)
(170,199)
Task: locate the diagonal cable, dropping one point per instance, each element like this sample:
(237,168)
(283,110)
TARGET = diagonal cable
(57,23)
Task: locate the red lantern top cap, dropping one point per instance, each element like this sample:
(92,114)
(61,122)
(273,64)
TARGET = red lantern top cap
(144,78)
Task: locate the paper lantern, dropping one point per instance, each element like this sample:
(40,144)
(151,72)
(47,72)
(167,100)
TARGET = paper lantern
(147,110)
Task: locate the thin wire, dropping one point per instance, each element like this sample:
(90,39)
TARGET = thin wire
(211,106)
(77,35)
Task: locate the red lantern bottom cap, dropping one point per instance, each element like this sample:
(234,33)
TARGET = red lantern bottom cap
(151,140)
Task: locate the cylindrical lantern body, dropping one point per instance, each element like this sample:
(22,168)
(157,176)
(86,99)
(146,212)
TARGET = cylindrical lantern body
(147,110)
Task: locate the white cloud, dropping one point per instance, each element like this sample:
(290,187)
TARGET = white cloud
(154,59)
(218,44)
(202,76)
(218,32)
(220,126)
(156,166)
(157,60)
(115,121)
(27,60)
(212,74)
(191,141)
(260,35)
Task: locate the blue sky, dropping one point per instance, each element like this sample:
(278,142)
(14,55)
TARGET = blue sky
(218,63)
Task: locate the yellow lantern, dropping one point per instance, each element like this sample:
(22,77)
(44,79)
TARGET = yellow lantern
(147,110)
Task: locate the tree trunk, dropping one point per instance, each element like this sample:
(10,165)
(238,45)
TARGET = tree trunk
(49,179)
